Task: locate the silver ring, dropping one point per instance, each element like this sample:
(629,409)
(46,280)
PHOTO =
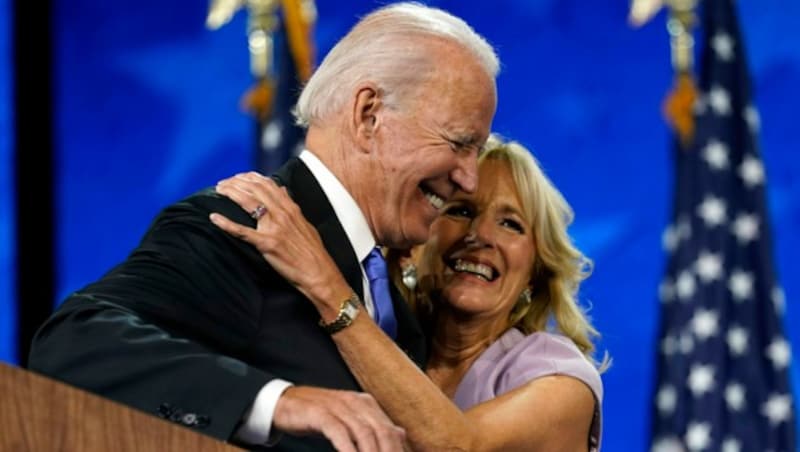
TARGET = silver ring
(258,212)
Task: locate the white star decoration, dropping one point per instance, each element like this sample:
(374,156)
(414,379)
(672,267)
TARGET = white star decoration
(670,444)
(720,100)
(673,234)
(686,343)
(734,396)
(723,46)
(669,239)
(700,104)
(778,299)
(666,291)
(737,340)
(712,210)
(751,171)
(698,436)
(741,285)
(668,345)
(708,266)
(779,353)
(666,399)
(752,118)
(745,228)
(777,408)
(701,379)
(716,154)
(271,136)
(731,445)
(705,323)
(685,285)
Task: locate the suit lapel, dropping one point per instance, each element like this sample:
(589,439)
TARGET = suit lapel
(307,193)
(409,332)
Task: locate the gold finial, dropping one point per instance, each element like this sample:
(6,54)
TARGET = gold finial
(678,107)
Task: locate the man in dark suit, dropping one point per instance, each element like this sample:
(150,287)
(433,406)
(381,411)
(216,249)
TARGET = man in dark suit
(196,328)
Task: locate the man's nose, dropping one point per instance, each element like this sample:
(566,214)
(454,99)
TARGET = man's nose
(465,175)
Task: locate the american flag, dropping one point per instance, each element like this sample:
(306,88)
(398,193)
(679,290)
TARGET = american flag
(723,360)
(279,138)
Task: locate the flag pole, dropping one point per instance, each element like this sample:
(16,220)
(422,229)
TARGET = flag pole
(262,20)
(678,107)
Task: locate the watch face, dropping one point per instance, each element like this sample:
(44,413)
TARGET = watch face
(350,310)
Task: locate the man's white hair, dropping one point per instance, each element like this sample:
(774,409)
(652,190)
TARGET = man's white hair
(384,48)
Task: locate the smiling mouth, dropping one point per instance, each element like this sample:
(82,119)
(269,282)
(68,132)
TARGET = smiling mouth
(436,201)
(482,271)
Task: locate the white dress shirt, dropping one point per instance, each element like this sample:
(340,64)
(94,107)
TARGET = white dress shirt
(257,423)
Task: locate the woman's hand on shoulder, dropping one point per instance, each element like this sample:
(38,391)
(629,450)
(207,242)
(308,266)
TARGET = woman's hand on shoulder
(288,242)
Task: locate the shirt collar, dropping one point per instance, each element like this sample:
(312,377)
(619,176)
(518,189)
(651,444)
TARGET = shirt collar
(344,206)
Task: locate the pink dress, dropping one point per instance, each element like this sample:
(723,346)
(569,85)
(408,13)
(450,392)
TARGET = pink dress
(515,359)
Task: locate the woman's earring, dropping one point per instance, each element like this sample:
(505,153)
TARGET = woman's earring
(410,276)
(525,297)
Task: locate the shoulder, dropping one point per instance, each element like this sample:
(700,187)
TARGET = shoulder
(193,211)
(543,354)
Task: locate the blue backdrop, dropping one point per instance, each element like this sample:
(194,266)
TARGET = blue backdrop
(7,312)
(147,112)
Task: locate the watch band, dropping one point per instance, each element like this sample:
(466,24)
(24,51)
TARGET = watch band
(348,312)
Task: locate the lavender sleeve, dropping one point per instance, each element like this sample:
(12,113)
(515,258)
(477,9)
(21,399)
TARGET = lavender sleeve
(515,359)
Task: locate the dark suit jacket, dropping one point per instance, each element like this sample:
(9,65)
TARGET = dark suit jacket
(194,322)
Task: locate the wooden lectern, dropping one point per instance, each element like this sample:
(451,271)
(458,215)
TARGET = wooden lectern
(41,414)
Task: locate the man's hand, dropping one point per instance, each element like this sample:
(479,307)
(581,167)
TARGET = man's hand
(351,421)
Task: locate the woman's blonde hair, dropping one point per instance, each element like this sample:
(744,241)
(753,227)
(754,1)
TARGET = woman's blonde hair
(558,267)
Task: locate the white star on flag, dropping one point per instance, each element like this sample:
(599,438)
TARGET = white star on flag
(731,445)
(701,379)
(734,396)
(705,323)
(669,239)
(272,135)
(779,353)
(737,340)
(723,46)
(752,118)
(685,285)
(708,266)
(670,444)
(666,291)
(778,299)
(741,285)
(720,100)
(666,399)
(712,210)
(716,154)
(698,436)
(751,171)
(668,345)
(700,104)
(777,408)
(745,228)
(686,343)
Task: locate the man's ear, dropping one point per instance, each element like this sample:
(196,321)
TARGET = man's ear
(367,106)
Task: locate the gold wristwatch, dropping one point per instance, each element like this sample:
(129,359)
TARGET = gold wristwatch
(347,313)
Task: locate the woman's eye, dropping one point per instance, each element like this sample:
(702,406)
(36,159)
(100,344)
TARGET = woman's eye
(513,225)
(458,211)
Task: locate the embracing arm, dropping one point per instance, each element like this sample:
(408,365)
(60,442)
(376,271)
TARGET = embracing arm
(549,413)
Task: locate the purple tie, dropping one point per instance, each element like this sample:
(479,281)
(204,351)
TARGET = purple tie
(378,276)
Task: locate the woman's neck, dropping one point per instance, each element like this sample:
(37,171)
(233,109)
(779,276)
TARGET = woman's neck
(456,344)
